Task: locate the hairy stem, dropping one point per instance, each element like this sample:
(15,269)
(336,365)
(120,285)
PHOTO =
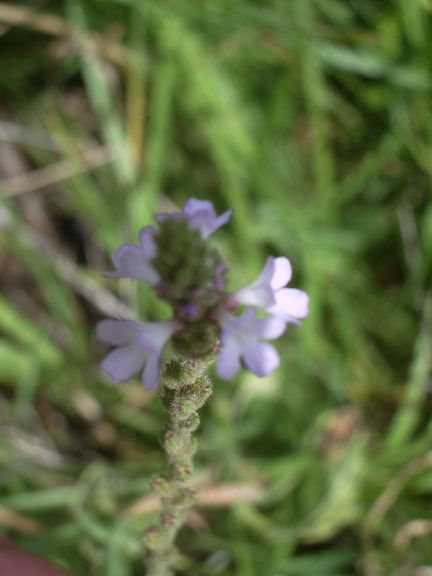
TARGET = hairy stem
(185,390)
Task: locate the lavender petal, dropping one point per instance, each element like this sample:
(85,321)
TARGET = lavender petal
(130,262)
(282,272)
(291,304)
(150,374)
(228,362)
(117,332)
(123,363)
(262,359)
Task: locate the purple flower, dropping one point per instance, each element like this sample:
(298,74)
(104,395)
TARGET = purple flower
(241,341)
(177,260)
(134,261)
(201,215)
(138,347)
(268,292)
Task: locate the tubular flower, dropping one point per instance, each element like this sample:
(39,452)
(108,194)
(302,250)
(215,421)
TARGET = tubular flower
(138,348)
(133,261)
(200,215)
(242,341)
(177,259)
(269,292)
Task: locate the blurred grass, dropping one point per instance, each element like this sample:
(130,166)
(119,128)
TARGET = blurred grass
(312,120)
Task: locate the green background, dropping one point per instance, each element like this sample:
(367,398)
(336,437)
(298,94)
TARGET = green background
(312,120)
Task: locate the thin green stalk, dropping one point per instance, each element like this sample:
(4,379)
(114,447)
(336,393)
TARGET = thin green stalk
(185,390)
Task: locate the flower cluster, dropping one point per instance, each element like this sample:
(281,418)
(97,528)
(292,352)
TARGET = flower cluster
(184,269)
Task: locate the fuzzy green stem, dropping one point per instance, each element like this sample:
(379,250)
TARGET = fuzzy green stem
(185,390)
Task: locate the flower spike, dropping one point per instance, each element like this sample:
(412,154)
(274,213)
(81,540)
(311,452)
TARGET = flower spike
(177,259)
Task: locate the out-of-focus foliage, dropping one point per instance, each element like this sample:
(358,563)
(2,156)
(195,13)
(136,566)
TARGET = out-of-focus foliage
(311,119)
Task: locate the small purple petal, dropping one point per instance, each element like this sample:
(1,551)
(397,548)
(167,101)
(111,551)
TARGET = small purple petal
(268,292)
(272,327)
(141,348)
(154,335)
(117,332)
(223,219)
(268,271)
(228,362)
(262,360)
(201,215)
(241,340)
(147,243)
(260,293)
(151,372)
(291,304)
(122,363)
(195,205)
(130,262)
(282,273)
